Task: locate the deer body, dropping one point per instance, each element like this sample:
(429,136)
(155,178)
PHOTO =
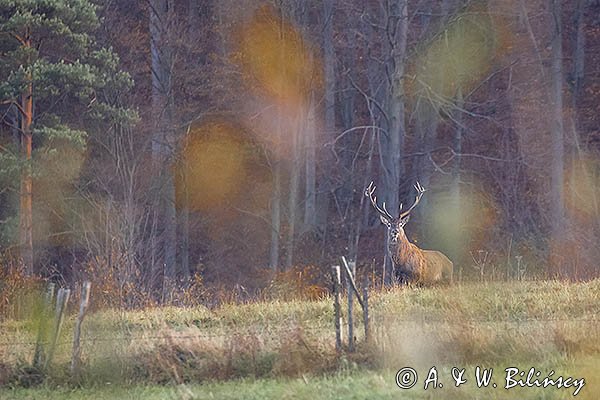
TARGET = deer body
(415,265)
(411,264)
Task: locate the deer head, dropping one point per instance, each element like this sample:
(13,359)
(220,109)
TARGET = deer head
(395,225)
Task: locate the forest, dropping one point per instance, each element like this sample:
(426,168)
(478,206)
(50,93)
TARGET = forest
(162,147)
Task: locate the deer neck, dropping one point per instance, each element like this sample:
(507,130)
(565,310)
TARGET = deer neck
(400,248)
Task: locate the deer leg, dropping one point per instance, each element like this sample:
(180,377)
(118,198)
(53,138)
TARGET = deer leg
(403,277)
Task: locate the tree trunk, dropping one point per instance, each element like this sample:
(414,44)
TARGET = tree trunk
(392,144)
(294,187)
(275,216)
(426,126)
(556,127)
(161,16)
(578,78)
(329,65)
(196,9)
(310,203)
(26,195)
(325,186)
(457,243)
(579,57)
(277,169)
(184,223)
(361,218)
(396,131)
(193,18)
(377,95)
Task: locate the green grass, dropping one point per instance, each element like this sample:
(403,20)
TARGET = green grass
(348,384)
(272,349)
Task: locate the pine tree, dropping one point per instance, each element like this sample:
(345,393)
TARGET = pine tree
(55,80)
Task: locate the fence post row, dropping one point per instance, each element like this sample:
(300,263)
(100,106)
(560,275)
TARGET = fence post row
(350,274)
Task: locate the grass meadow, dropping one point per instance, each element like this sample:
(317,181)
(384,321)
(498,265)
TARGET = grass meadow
(286,349)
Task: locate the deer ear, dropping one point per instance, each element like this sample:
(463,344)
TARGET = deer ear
(405,220)
(384,220)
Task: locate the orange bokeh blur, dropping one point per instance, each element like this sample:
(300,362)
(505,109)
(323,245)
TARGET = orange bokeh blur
(582,189)
(212,166)
(275,59)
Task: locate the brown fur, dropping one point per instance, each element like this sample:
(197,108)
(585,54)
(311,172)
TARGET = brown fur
(438,267)
(420,266)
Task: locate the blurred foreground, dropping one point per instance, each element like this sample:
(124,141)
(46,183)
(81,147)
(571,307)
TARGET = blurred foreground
(549,325)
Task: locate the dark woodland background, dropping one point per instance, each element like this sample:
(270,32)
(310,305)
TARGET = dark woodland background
(227,144)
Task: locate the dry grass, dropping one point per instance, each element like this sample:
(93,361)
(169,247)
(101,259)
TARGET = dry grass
(494,323)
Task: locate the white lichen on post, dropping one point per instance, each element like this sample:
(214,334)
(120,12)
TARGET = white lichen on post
(83,305)
(337,283)
(61,304)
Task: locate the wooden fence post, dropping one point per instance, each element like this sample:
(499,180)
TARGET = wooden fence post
(61,303)
(366,307)
(337,283)
(38,356)
(83,305)
(349,282)
(349,273)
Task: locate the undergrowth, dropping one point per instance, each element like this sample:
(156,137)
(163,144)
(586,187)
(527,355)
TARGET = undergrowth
(495,323)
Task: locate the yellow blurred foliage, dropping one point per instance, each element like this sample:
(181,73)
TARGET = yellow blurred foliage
(212,166)
(457,57)
(55,172)
(462,222)
(575,254)
(276,59)
(582,188)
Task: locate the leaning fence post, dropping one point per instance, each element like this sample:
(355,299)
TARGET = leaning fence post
(38,356)
(337,283)
(83,305)
(349,282)
(353,284)
(366,307)
(61,303)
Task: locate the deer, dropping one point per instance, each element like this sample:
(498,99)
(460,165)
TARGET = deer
(412,265)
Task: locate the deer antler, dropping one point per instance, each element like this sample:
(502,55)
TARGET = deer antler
(370,194)
(420,190)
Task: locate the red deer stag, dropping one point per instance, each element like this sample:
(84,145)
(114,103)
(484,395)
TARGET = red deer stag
(411,264)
